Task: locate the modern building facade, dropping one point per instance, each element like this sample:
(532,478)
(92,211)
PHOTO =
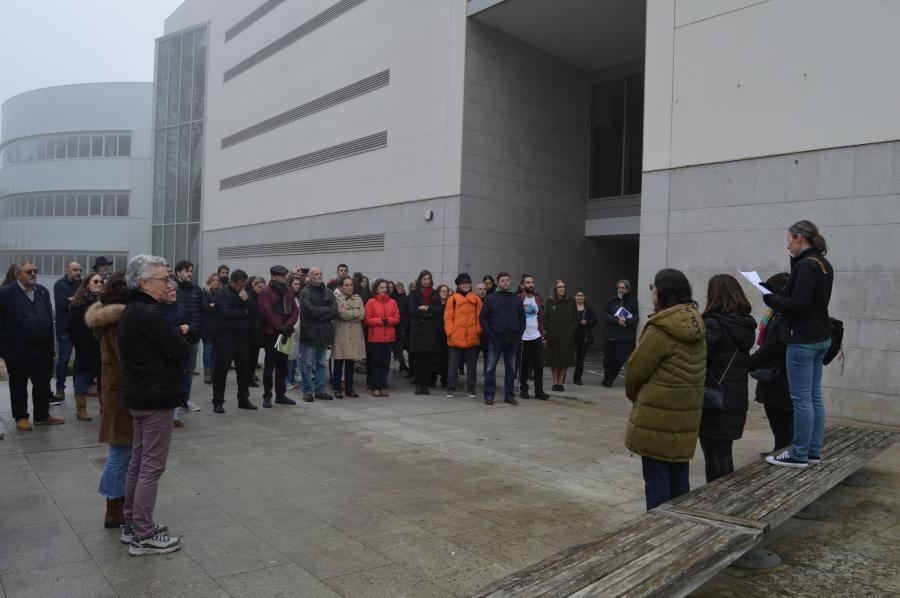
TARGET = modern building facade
(585,140)
(75,165)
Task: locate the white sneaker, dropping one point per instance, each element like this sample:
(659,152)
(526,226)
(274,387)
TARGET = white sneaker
(191,406)
(471,396)
(161,543)
(450,395)
(786,460)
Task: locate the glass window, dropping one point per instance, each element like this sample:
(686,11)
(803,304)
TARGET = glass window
(174,79)
(84,146)
(187,69)
(122,204)
(159,183)
(199,91)
(95,205)
(109,149)
(124,146)
(162,80)
(181,234)
(184,172)
(634,134)
(109,204)
(59,205)
(58,264)
(72,147)
(41,149)
(196,169)
(194,243)
(70,204)
(30,206)
(82,209)
(171,173)
(169,243)
(607,130)
(156,245)
(45,206)
(97,146)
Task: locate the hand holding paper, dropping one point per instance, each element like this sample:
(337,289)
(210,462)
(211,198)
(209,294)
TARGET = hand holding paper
(754,279)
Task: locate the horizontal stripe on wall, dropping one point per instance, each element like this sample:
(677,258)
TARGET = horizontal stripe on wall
(323,18)
(253,17)
(329,154)
(330,245)
(354,90)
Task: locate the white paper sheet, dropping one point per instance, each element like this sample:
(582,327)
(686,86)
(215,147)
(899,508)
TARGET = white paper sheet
(754,279)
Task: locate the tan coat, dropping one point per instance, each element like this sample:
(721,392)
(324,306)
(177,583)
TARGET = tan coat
(349,342)
(115,424)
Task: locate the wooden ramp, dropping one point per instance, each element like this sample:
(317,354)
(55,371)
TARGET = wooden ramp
(676,547)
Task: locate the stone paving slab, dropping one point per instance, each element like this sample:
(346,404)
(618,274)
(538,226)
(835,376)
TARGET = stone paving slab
(399,496)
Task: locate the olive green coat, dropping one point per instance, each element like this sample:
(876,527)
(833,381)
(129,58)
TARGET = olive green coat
(560,324)
(664,381)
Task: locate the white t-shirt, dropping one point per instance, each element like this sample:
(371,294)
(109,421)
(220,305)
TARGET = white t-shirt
(532,330)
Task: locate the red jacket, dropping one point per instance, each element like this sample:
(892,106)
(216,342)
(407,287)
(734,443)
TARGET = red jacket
(277,316)
(378,308)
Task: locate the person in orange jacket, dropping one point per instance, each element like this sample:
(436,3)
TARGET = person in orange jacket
(463,327)
(382,318)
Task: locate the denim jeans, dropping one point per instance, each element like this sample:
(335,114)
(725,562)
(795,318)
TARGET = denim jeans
(63,355)
(663,480)
(82,381)
(112,482)
(209,354)
(804,370)
(291,377)
(312,356)
(508,347)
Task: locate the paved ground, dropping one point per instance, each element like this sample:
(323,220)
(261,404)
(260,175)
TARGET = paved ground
(402,496)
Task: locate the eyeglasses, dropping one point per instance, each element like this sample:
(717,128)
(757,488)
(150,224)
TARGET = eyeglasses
(33,271)
(165,279)
(651,286)
(96,282)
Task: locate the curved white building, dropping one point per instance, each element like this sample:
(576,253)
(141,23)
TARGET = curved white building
(75,173)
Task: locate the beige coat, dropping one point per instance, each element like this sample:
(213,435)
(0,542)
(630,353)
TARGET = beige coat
(349,342)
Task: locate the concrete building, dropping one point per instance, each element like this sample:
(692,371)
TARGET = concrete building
(586,140)
(75,165)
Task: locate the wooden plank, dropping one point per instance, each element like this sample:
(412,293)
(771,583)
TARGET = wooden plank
(738,524)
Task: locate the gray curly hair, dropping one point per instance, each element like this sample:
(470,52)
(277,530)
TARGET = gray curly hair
(141,266)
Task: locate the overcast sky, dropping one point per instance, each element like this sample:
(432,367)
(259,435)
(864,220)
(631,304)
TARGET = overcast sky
(57,42)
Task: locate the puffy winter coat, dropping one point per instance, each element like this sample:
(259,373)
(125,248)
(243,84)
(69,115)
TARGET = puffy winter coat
(378,309)
(348,331)
(190,298)
(115,423)
(664,381)
(728,335)
(462,322)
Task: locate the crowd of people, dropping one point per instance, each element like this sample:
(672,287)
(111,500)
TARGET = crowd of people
(137,334)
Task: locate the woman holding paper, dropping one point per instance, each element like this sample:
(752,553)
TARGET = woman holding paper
(803,304)
(382,318)
(349,345)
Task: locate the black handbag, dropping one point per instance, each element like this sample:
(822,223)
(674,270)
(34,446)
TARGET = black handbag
(767,375)
(714,396)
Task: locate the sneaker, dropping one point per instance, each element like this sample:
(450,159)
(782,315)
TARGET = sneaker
(128,532)
(450,395)
(814,459)
(191,406)
(158,544)
(786,460)
(285,401)
(471,396)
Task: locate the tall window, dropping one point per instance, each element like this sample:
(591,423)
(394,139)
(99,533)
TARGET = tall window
(180,102)
(617,130)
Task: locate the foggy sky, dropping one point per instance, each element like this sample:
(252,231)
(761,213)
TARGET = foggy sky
(58,42)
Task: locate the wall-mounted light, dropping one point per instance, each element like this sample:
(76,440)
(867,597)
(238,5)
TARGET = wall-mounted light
(429,215)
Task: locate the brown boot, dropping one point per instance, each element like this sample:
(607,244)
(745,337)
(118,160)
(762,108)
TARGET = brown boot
(207,375)
(81,408)
(115,517)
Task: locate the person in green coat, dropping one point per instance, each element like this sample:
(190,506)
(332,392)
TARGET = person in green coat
(560,324)
(665,381)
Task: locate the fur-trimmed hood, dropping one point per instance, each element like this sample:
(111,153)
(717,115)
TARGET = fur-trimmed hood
(100,316)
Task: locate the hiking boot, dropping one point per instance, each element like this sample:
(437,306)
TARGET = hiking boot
(23,424)
(158,544)
(81,408)
(786,460)
(285,401)
(128,531)
(114,516)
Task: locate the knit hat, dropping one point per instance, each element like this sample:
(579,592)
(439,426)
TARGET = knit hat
(463,278)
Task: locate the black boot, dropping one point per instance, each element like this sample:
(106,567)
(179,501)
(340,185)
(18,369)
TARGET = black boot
(246,404)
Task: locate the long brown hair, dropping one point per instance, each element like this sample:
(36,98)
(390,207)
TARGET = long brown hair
(78,299)
(724,295)
(115,290)
(810,232)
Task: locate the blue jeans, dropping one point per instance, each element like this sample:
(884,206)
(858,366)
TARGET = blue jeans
(63,355)
(189,366)
(112,482)
(209,354)
(804,371)
(663,480)
(508,348)
(291,378)
(82,381)
(313,356)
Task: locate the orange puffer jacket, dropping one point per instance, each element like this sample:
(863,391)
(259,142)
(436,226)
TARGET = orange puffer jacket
(461,320)
(378,309)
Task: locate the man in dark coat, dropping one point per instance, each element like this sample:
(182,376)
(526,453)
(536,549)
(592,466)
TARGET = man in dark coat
(190,300)
(503,315)
(318,308)
(63,293)
(153,356)
(26,344)
(279,314)
(619,337)
(235,315)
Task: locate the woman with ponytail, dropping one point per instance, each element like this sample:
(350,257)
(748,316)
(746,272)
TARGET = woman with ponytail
(803,304)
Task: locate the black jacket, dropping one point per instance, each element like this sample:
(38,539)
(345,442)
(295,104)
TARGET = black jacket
(627,333)
(256,321)
(62,290)
(190,298)
(87,346)
(153,353)
(503,315)
(12,338)
(584,334)
(804,302)
(318,308)
(234,314)
(424,324)
(724,334)
(773,355)
(209,327)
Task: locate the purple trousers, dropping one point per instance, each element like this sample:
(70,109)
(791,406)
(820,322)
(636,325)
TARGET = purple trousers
(149,452)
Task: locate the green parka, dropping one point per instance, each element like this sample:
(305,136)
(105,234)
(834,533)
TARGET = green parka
(665,381)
